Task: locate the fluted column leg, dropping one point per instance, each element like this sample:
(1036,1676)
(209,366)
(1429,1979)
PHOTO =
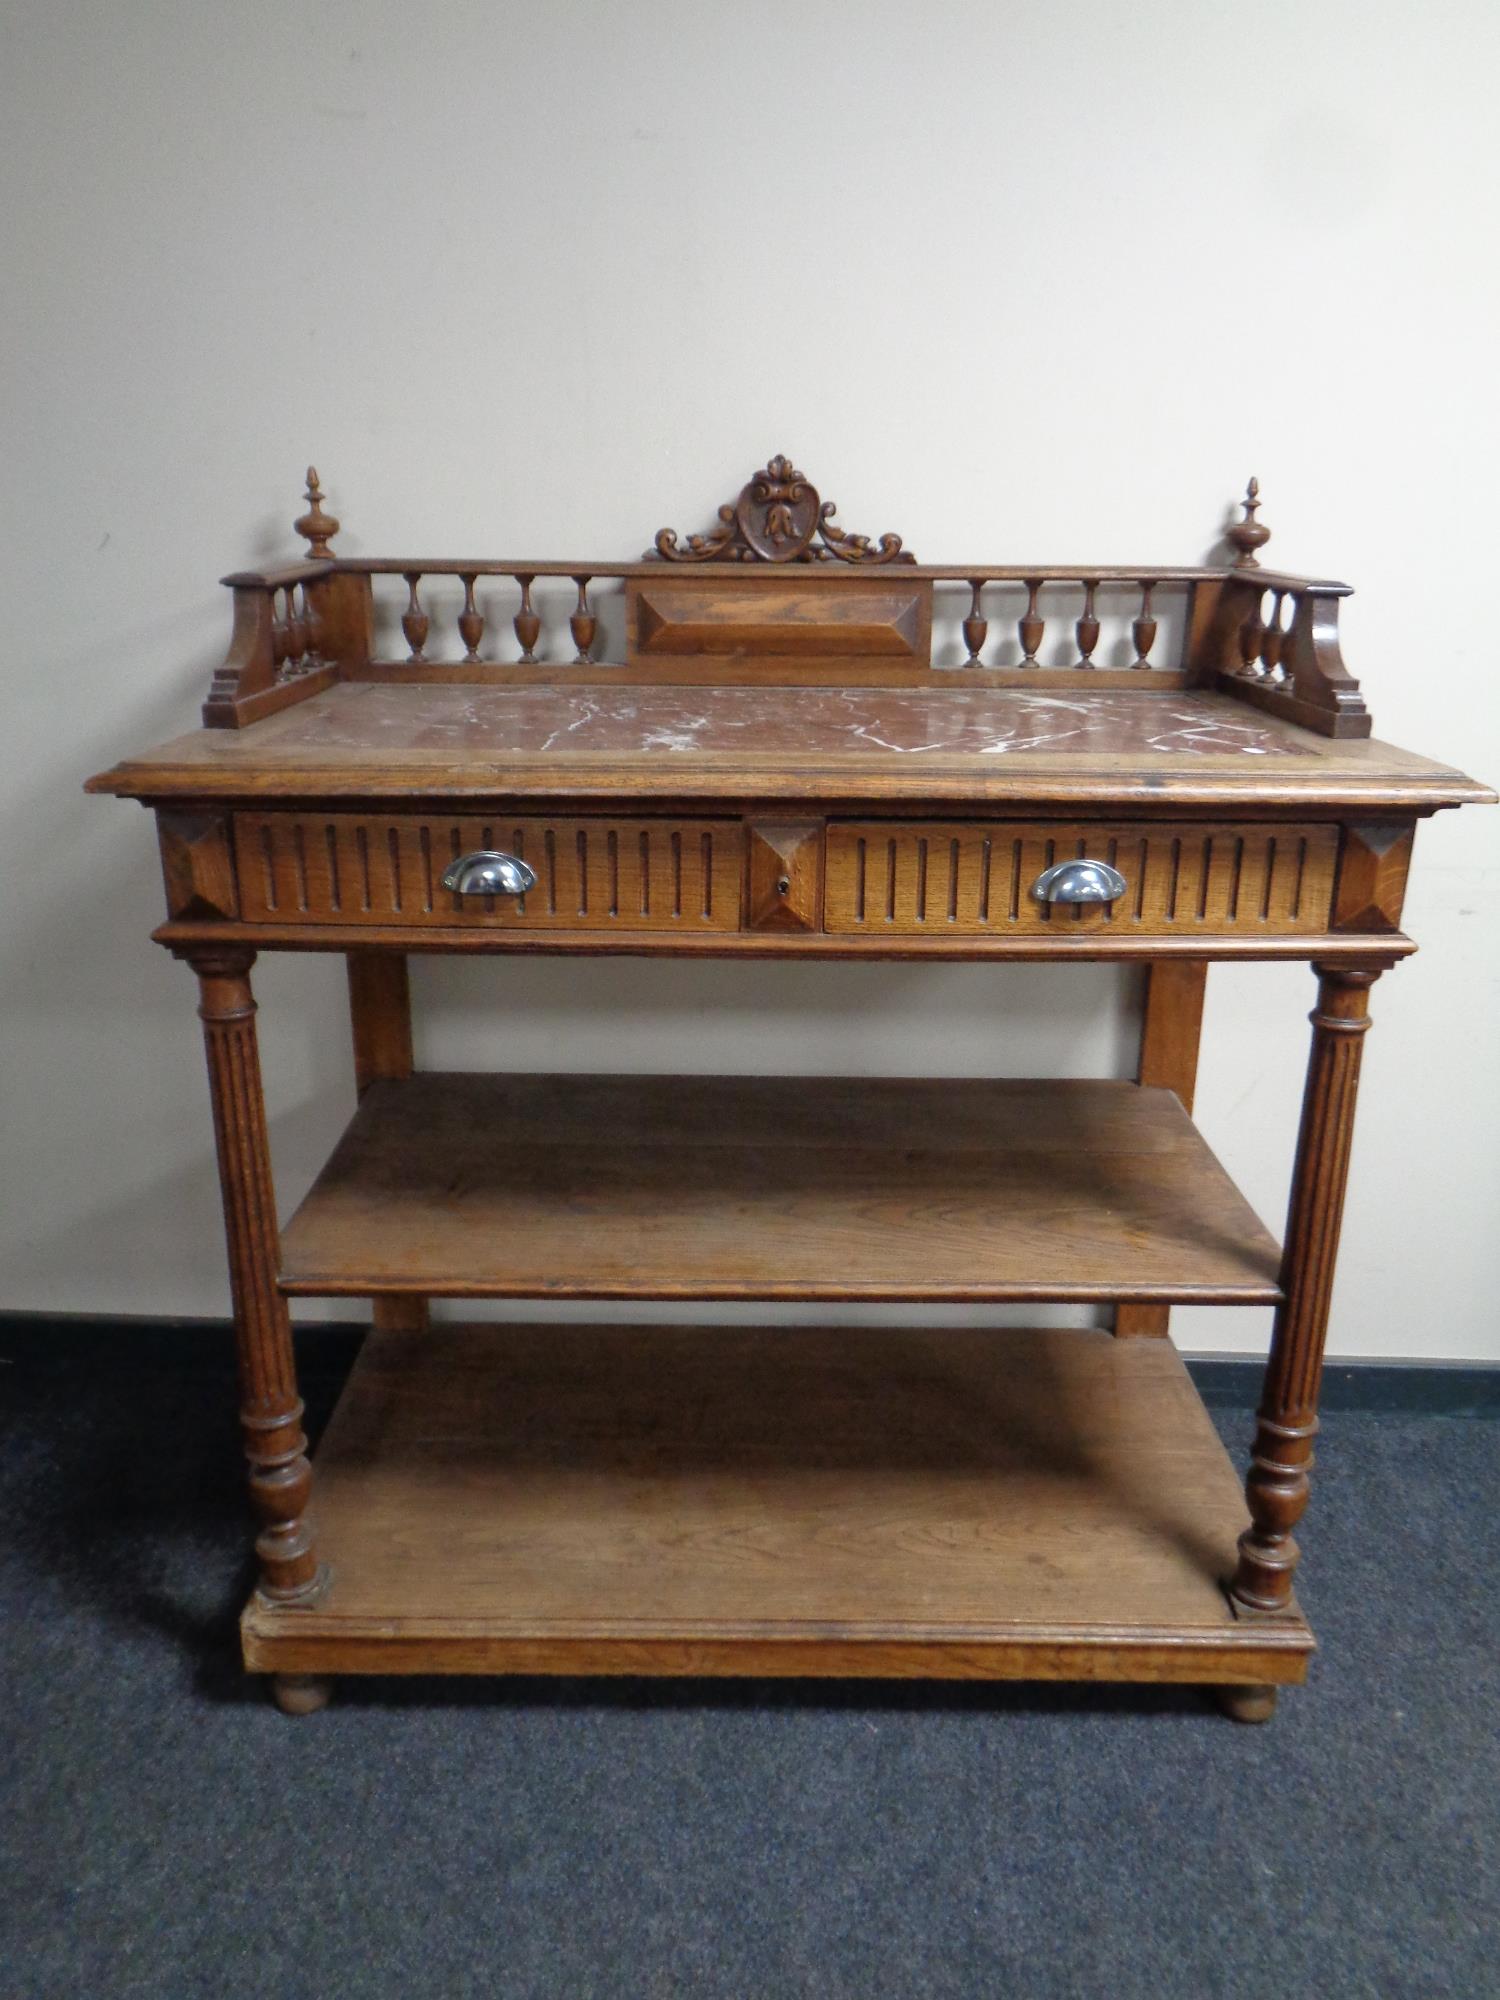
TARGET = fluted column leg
(270,1408)
(1287,1421)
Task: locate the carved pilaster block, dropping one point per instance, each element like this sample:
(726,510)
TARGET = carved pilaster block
(785,877)
(1373,866)
(197,863)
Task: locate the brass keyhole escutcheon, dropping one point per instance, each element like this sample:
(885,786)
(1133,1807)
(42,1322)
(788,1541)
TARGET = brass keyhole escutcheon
(784,885)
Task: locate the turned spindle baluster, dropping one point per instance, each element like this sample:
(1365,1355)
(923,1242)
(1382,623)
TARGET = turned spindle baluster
(1287,1421)
(1252,639)
(1275,638)
(296,633)
(286,634)
(976,626)
(1143,631)
(414,620)
(470,621)
(280,629)
(583,624)
(1087,628)
(528,625)
(1248,535)
(311,632)
(1032,626)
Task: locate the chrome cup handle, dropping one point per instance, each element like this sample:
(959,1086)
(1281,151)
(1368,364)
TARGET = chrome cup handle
(487,874)
(1079,882)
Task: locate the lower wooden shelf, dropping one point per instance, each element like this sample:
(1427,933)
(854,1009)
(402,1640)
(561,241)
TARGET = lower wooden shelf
(981,1504)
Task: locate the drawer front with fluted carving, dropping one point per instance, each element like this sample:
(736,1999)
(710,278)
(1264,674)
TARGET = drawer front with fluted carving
(992,879)
(576,874)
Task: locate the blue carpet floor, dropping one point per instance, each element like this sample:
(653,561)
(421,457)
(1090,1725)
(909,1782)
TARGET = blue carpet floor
(165,1833)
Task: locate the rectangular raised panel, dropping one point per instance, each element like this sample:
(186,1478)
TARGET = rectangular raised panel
(814,618)
(592,874)
(972,880)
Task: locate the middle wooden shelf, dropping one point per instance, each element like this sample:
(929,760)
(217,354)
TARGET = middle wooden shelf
(795,1188)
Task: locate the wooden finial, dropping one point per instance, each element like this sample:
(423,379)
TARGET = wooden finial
(1248,535)
(315,527)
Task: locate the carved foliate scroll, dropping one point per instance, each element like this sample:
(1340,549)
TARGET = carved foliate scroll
(778,518)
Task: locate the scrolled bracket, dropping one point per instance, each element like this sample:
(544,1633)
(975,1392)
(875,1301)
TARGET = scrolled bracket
(1314,664)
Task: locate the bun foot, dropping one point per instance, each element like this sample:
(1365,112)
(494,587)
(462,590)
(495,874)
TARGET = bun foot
(1247,1704)
(300,1694)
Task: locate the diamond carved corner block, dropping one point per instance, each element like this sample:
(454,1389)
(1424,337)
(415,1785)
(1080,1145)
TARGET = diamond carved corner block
(837,616)
(197,865)
(1373,866)
(786,877)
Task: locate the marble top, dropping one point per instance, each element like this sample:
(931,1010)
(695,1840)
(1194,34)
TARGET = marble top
(773,722)
(939,743)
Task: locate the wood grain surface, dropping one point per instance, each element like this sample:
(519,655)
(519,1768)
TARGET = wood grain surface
(1056,946)
(852,1501)
(1171,1026)
(776,1188)
(857,616)
(975,878)
(371,869)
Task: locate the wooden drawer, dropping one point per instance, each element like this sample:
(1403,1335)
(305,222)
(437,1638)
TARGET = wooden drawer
(975,879)
(592,874)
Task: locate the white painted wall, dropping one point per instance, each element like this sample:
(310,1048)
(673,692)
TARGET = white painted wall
(1018,280)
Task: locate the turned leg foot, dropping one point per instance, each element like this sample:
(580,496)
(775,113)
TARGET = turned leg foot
(1246,1704)
(300,1694)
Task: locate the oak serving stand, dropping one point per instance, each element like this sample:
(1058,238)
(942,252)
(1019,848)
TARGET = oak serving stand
(812,747)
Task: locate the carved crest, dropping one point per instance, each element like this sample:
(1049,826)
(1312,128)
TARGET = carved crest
(778,518)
